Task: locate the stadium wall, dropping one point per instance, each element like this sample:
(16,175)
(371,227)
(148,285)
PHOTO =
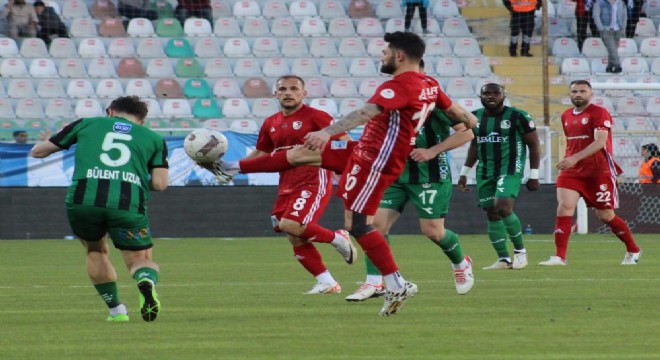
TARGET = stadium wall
(38,213)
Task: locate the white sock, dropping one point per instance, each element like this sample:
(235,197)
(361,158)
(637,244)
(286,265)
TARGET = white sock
(326,278)
(119,309)
(394,281)
(375,280)
(338,240)
(462,265)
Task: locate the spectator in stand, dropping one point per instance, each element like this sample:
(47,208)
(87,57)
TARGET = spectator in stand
(611,17)
(20,137)
(50,24)
(359,9)
(584,18)
(136,9)
(634,13)
(21,19)
(410,6)
(194,8)
(522,20)
(649,172)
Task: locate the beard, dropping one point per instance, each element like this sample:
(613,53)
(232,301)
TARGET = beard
(492,106)
(290,105)
(388,68)
(579,102)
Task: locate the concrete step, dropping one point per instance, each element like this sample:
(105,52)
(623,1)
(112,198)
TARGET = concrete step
(503,49)
(485,12)
(516,70)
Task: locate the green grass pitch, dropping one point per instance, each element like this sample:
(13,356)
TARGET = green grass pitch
(242,299)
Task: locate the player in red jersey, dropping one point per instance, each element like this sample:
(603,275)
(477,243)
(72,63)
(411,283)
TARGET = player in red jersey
(392,118)
(588,170)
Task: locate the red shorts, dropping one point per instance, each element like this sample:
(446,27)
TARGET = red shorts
(304,206)
(601,193)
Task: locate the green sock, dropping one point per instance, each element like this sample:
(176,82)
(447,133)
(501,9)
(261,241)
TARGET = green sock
(497,236)
(371,268)
(452,248)
(146,273)
(514,229)
(109,294)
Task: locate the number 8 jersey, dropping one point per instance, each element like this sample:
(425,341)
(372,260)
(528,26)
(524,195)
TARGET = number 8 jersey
(112,162)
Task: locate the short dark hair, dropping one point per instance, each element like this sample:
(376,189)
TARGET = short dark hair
(652,149)
(410,43)
(18,132)
(39,3)
(290,76)
(131,105)
(491,84)
(580,82)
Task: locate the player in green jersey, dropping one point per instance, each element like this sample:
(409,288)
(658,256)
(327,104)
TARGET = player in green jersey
(426,181)
(117,162)
(501,138)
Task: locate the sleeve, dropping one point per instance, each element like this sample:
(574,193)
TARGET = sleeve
(443,102)
(595,14)
(602,119)
(440,117)
(390,95)
(68,136)
(264,142)
(159,160)
(526,122)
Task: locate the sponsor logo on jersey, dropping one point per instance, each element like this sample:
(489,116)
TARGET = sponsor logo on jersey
(356,169)
(297,125)
(428,93)
(387,93)
(505,124)
(305,194)
(386,202)
(122,128)
(338,144)
(272,129)
(426,185)
(493,137)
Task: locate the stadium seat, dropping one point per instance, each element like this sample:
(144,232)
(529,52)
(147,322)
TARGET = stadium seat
(7,111)
(650,47)
(627,47)
(362,67)
(63,48)
(215,124)
(448,67)
(623,146)
(327,105)
(206,109)
(276,67)
(652,8)
(188,68)
(176,108)
(247,67)
(330,9)
(594,47)
(255,26)
(630,106)
(50,88)
(655,66)
(316,87)
(169,27)
(163,9)
(395,24)
(91,48)
(647,79)
(75,9)
(565,47)
(575,66)
(468,47)
(112,27)
(227,88)
(653,106)
(370,27)
(634,65)
(470,104)
(343,87)
(643,124)
(375,47)
(72,68)
(226,27)
(388,9)
(323,47)
(283,27)
(439,46)
(34,48)
(101,68)
(313,27)
(220,9)
(368,86)
(109,88)
(236,47)
(349,105)
(140,27)
(304,67)
(246,8)
(274,9)
(460,88)
(86,108)
(83,28)
(13,68)
(160,68)
(179,48)
(445,9)
(150,48)
(20,89)
(58,108)
(153,108)
(432,27)
(566,9)
(294,47)
(256,88)
(300,9)
(130,68)
(604,102)
(197,27)
(208,47)
(645,27)
(333,67)
(236,108)
(455,27)
(40,68)
(558,27)
(102,9)
(218,67)
(265,47)
(352,47)
(265,107)
(244,126)
(359,9)
(8,48)
(121,48)
(599,65)
(140,87)
(80,88)
(477,67)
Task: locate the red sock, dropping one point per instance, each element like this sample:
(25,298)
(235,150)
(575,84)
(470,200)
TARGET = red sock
(622,231)
(275,162)
(563,225)
(378,251)
(317,233)
(310,259)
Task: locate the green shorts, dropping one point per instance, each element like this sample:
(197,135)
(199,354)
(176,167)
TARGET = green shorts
(128,231)
(488,190)
(431,199)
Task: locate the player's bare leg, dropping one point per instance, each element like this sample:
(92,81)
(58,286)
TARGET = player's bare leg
(104,278)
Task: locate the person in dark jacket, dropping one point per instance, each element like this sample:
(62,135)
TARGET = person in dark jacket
(50,24)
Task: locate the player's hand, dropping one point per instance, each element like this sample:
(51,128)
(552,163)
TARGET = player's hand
(532,184)
(45,135)
(316,140)
(567,163)
(462,184)
(422,154)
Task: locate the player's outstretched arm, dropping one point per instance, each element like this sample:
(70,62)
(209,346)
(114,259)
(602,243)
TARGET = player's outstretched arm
(43,149)
(470,160)
(531,139)
(457,113)
(458,138)
(318,139)
(159,179)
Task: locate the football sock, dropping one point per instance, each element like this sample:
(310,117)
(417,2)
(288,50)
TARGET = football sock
(622,231)
(514,229)
(310,258)
(376,280)
(109,294)
(563,226)
(452,248)
(497,236)
(371,268)
(146,273)
(275,162)
(394,281)
(325,278)
(376,248)
(317,233)
(119,309)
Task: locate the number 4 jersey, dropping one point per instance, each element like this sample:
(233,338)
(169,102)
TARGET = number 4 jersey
(113,159)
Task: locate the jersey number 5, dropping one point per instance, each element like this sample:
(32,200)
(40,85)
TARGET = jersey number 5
(113,141)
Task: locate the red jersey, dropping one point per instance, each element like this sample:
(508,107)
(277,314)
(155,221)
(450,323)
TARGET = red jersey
(579,130)
(407,100)
(280,132)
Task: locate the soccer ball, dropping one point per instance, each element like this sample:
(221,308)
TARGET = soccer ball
(205,145)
